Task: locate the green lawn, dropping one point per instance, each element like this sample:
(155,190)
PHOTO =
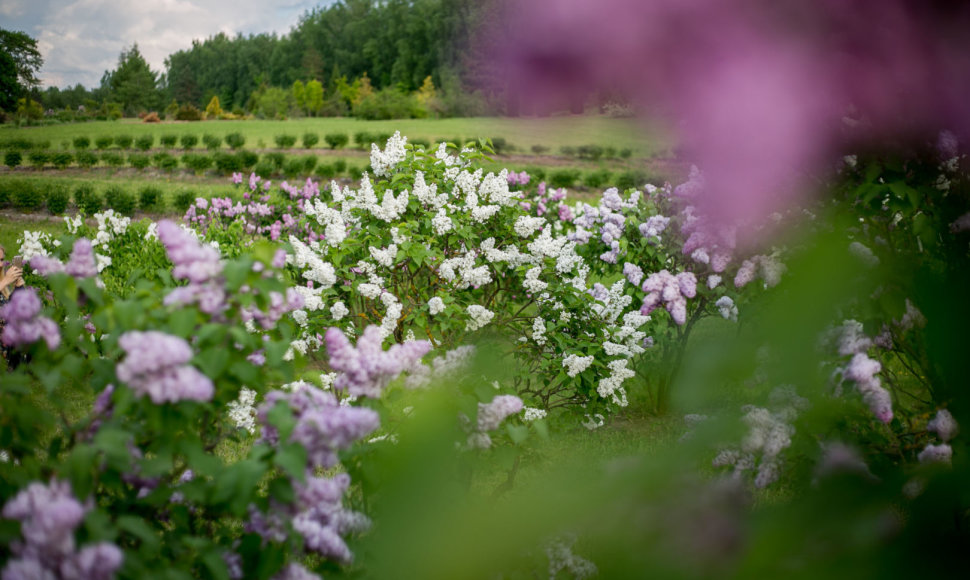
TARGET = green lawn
(645,139)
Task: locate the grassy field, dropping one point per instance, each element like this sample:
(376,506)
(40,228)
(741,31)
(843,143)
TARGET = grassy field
(645,139)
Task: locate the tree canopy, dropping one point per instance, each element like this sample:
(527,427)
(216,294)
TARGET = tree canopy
(20,61)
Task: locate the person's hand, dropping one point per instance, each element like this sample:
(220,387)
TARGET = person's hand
(13,275)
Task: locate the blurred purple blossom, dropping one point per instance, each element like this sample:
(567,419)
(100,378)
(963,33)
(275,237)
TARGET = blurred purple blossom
(366,369)
(157,365)
(24,325)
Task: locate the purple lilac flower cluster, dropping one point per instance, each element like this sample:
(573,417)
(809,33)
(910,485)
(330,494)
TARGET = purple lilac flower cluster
(81,264)
(24,325)
(199,264)
(156,365)
(49,515)
(672,291)
(521,178)
(323,425)
(946,428)
(863,370)
(278,306)
(547,199)
(368,368)
(607,220)
(490,416)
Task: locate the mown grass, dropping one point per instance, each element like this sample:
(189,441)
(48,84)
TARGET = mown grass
(644,138)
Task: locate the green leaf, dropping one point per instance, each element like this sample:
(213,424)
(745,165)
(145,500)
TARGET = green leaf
(138,528)
(281,489)
(245,371)
(182,322)
(213,361)
(216,565)
(235,272)
(518,433)
(292,458)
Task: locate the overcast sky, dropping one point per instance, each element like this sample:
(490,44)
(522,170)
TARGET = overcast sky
(80,39)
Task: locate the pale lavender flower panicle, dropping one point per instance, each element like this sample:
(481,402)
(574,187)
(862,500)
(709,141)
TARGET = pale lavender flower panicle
(672,291)
(193,261)
(366,369)
(96,562)
(941,453)
(48,515)
(944,425)
(46,265)
(862,370)
(633,273)
(745,273)
(24,323)
(490,416)
(82,263)
(294,571)
(157,365)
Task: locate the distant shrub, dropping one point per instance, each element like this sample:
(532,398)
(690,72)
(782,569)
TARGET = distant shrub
(87,199)
(248,159)
(13,158)
(285,141)
(309,163)
(112,159)
(124,141)
(168,140)
(39,159)
(387,103)
(212,142)
(22,144)
(632,179)
(310,140)
(540,149)
(276,158)
(166,161)
(82,142)
(363,139)
(355,172)
(151,117)
(189,141)
(188,112)
(235,140)
(423,143)
(325,171)
(197,162)
(119,199)
(626,153)
(339,166)
(86,159)
(145,142)
(150,198)
(264,168)
(183,200)
(500,145)
(104,141)
(595,179)
(563,178)
(536,173)
(139,160)
(568,150)
(336,140)
(227,163)
(27,196)
(590,152)
(57,200)
(609,152)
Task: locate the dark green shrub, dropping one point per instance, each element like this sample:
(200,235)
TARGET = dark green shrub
(591,152)
(339,166)
(309,163)
(86,159)
(183,200)
(248,159)
(633,179)
(363,139)
(28,197)
(150,198)
(124,141)
(609,152)
(537,174)
(387,103)
(189,141)
(595,179)
(381,139)
(103,142)
(310,140)
(626,153)
(264,168)
(355,171)
(13,158)
(568,150)
(139,160)
(62,159)
(119,199)
(336,140)
(420,143)
(197,162)
(235,140)
(285,141)
(293,167)
(227,163)
(57,199)
(276,158)
(500,146)
(168,140)
(4,194)
(563,178)
(325,171)
(540,149)
(82,142)
(22,144)
(87,200)
(112,159)
(39,159)
(188,112)
(212,142)
(166,161)
(145,142)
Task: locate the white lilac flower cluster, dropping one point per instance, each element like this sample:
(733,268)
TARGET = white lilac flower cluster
(559,551)
(851,341)
(769,433)
(490,416)
(945,427)
(242,411)
(768,267)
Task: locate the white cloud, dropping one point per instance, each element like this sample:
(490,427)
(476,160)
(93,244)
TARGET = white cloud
(81,39)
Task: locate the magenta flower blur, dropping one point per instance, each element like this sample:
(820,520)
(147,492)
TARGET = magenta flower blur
(82,263)
(192,261)
(366,369)
(24,325)
(157,365)
(862,370)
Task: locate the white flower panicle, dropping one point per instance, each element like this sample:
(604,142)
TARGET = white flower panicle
(479,316)
(576,364)
(384,162)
